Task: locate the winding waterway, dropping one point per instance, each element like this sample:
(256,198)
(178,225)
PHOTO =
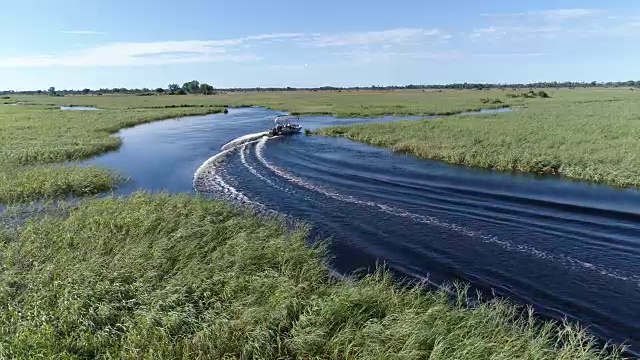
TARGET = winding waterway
(570,249)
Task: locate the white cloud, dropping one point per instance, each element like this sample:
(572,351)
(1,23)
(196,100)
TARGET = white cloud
(145,53)
(82,32)
(569,14)
(551,15)
(543,23)
(509,55)
(228,50)
(122,54)
(281,36)
(393,36)
(381,56)
(500,32)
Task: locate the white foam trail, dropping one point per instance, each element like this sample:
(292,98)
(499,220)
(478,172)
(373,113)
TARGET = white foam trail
(243,159)
(205,174)
(243,139)
(252,170)
(207,179)
(430,220)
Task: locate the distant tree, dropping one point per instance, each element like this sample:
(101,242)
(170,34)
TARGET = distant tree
(159,90)
(206,89)
(39,92)
(174,88)
(191,87)
(86,91)
(52,91)
(594,83)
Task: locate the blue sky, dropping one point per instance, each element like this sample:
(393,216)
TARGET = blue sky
(245,43)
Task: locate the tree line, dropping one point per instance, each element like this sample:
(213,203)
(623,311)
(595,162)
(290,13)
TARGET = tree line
(195,87)
(191,87)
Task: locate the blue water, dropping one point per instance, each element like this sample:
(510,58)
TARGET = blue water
(570,249)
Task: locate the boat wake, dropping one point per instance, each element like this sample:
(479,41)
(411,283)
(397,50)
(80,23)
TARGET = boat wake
(434,221)
(243,140)
(252,170)
(209,178)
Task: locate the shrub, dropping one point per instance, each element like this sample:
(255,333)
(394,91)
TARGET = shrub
(491,101)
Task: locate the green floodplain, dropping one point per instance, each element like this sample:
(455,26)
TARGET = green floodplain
(181,276)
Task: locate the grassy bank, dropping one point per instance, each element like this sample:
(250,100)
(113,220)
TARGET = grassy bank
(183,277)
(363,103)
(343,104)
(34,137)
(586,136)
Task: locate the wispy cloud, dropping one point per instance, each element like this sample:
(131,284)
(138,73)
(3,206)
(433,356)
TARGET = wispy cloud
(223,50)
(82,32)
(393,36)
(124,54)
(578,23)
(382,55)
(509,55)
(499,32)
(551,15)
(569,14)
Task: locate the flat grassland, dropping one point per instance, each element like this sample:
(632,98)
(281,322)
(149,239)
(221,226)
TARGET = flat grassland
(591,135)
(342,104)
(183,277)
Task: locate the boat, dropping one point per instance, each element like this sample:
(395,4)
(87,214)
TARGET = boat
(285,126)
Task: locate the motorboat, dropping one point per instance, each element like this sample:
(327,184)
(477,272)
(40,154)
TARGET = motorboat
(285,126)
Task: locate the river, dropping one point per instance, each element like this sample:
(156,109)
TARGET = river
(570,249)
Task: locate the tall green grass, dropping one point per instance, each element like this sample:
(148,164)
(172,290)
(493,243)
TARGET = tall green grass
(168,277)
(40,182)
(342,104)
(363,103)
(573,136)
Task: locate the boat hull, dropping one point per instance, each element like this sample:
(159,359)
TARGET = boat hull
(285,131)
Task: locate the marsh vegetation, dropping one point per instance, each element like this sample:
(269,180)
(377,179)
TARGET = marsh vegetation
(572,134)
(159,276)
(180,276)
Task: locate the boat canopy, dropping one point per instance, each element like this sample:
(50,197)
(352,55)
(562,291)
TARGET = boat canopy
(285,119)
